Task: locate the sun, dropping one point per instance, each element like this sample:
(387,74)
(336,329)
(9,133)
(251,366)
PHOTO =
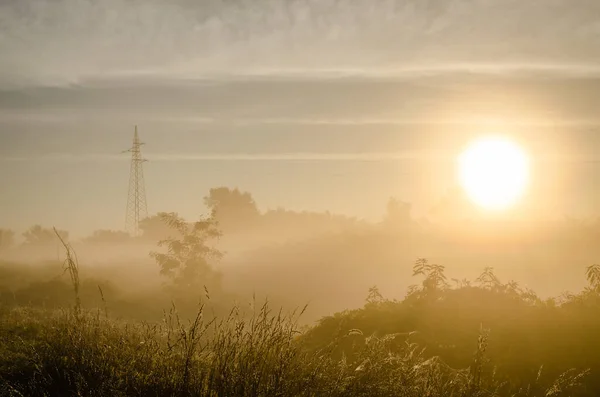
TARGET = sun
(494,172)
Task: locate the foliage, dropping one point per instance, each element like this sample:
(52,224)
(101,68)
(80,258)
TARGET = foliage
(498,333)
(522,332)
(188,256)
(7,239)
(398,214)
(374,296)
(56,354)
(434,278)
(154,228)
(38,235)
(108,236)
(408,348)
(593,277)
(232,208)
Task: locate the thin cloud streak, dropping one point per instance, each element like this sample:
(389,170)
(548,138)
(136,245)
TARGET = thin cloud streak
(287,157)
(399,72)
(431,156)
(419,122)
(58,117)
(160,157)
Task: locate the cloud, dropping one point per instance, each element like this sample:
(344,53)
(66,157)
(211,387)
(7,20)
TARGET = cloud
(161,157)
(66,41)
(461,99)
(190,121)
(419,122)
(406,156)
(288,157)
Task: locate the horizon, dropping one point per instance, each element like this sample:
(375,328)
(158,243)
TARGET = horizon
(389,154)
(298,103)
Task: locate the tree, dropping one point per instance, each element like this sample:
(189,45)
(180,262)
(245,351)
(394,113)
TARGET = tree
(37,235)
(7,239)
(435,279)
(488,279)
(398,214)
(231,208)
(374,297)
(188,257)
(154,228)
(107,236)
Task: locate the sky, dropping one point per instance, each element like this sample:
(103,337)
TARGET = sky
(309,105)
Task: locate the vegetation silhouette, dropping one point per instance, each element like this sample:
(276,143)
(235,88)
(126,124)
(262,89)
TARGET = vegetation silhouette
(188,256)
(67,328)
(264,353)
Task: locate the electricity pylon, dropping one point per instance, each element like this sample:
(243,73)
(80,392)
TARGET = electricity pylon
(136,199)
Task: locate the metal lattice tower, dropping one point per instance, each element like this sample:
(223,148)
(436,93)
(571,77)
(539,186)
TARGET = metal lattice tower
(136,199)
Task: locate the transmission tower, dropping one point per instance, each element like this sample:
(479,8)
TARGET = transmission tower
(136,199)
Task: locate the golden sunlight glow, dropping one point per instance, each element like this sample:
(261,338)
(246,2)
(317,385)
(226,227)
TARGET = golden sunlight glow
(494,172)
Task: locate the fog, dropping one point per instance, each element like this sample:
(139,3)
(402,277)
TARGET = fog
(325,260)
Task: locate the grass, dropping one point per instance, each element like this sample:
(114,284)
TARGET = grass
(79,352)
(69,353)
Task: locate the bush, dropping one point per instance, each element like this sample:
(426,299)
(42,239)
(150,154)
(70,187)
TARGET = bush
(86,354)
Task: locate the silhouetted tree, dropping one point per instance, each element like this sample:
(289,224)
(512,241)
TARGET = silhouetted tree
(398,214)
(488,279)
(7,239)
(188,256)
(154,228)
(374,296)
(435,279)
(107,236)
(38,235)
(232,208)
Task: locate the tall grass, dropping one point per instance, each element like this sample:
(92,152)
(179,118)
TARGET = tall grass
(71,265)
(84,353)
(63,354)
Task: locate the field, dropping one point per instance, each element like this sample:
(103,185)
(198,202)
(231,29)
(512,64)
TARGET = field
(190,329)
(483,338)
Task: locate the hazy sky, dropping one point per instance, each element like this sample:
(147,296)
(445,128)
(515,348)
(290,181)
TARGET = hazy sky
(307,104)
